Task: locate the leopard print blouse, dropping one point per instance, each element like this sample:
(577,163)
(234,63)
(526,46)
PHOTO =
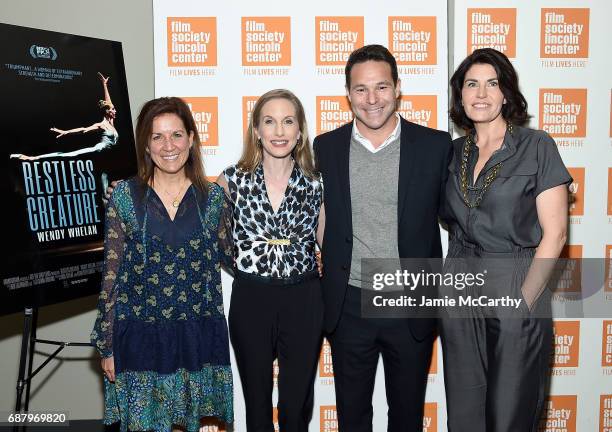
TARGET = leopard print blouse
(281,244)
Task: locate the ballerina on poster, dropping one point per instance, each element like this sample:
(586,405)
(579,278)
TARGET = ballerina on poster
(109,135)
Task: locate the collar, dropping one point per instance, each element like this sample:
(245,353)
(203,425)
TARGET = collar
(356,135)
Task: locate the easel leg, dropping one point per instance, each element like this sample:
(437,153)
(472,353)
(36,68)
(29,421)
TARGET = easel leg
(28,383)
(25,342)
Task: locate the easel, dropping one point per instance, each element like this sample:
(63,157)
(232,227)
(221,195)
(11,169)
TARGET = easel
(28,343)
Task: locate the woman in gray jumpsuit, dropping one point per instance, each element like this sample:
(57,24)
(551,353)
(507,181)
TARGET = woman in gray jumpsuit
(506,207)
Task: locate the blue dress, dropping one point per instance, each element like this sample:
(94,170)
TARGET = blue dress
(160,312)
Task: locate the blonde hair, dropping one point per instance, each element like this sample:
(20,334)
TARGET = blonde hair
(252,152)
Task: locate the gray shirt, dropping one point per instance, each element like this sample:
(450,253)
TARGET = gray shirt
(506,219)
(373,183)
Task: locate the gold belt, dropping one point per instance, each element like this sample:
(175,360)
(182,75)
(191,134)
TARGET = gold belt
(279,242)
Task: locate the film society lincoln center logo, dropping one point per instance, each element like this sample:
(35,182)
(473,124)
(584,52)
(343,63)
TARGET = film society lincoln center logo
(332,112)
(564,33)
(576,190)
(337,38)
(420,109)
(266,41)
(566,346)
(559,414)
(412,40)
(205,113)
(248,103)
(563,112)
(605,413)
(492,28)
(192,41)
(606,344)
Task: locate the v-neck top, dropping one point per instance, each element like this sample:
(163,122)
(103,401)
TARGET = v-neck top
(506,219)
(277,244)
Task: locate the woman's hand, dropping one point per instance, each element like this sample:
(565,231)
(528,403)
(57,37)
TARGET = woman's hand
(103,78)
(108,366)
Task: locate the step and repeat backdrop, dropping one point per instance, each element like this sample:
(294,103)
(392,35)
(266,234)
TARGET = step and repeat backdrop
(221,57)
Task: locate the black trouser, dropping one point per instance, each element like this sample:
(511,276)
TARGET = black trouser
(268,321)
(356,345)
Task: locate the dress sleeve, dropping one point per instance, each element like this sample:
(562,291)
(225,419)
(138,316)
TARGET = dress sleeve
(226,242)
(551,170)
(114,241)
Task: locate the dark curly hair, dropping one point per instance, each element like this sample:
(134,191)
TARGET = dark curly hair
(513,111)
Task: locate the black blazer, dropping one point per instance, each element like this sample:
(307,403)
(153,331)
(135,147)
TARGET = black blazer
(424,158)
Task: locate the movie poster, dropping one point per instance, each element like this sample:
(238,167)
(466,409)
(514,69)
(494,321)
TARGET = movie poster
(66,133)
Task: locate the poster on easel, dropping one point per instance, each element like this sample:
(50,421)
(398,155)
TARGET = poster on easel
(66,134)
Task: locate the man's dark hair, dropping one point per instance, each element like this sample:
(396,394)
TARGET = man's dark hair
(367,53)
(513,111)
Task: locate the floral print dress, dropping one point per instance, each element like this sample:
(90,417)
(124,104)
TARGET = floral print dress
(160,313)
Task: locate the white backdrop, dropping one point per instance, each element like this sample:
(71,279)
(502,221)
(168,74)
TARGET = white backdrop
(220,57)
(304,49)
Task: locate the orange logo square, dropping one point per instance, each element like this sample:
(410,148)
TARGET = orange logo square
(205,111)
(412,40)
(430,417)
(605,413)
(433,366)
(421,109)
(492,28)
(564,33)
(559,414)
(608,264)
(192,41)
(266,41)
(328,418)
(609,191)
(326,366)
(336,38)
(576,190)
(566,344)
(332,112)
(571,276)
(248,103)
(563,112)
(606,344)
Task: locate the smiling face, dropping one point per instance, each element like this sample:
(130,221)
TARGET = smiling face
(481,95)
(169,144)
(373,96)
(278,128)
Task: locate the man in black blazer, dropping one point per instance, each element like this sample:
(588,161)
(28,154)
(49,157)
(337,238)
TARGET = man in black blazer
(405,187)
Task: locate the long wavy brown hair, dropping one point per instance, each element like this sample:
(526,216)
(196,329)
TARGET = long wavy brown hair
(194,167)
(252,153)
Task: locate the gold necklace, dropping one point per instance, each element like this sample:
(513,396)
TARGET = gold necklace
(175,201)
(463,172)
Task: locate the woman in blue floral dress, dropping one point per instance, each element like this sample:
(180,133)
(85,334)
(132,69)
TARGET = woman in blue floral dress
(161,329)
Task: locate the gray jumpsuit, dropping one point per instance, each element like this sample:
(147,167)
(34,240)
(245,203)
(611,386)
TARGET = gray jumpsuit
(495,367)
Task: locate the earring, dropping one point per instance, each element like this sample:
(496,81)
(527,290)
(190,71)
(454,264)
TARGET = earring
(259,143)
